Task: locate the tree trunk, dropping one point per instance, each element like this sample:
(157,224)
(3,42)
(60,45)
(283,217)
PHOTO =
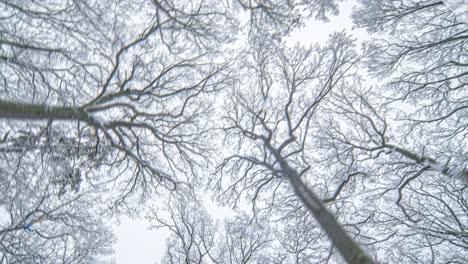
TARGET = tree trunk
(13,110)
(348,248)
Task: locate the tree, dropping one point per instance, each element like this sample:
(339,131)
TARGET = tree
(426,70)
(192,232)
(276,18)
(197,238)
(398,147)
(90,95)
(269,127)
(301,240)
(134,92)
(45,219)
(400,201)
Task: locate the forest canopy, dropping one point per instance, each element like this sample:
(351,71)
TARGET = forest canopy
(347,151)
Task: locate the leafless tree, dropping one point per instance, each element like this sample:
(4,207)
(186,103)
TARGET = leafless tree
(132,88)
(43,217)
(197,238)
(98,101)
(409,200)
(268,122)
(424,60)
(245,241)
(278,17)
(301,240)
(402,141)
(192,230)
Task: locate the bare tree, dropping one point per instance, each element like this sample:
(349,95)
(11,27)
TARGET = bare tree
(197,238)
(426,72)
(301,240)
(402,142)
(94,93)
(44,218)
(409,200)
(245,241)
(133,89)
(268,124)
(192,230)
(279,17)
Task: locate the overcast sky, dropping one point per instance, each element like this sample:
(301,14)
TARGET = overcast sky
(137,244)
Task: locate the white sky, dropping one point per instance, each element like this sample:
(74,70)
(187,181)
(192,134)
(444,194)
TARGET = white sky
(136,243)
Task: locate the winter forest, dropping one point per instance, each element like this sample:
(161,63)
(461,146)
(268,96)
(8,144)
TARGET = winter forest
(350,150)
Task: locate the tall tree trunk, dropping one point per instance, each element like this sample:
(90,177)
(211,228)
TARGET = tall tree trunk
(13,110)
(348,248)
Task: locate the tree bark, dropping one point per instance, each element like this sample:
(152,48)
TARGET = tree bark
(14,110)
(349,249)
